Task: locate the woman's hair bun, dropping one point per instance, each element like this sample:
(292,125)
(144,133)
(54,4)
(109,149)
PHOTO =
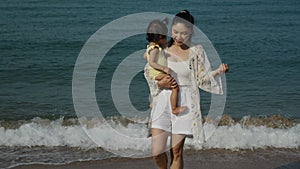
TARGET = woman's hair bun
(185,11)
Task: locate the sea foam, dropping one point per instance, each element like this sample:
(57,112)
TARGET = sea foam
(117,136)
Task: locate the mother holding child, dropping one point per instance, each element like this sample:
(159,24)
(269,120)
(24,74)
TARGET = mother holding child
(174,72)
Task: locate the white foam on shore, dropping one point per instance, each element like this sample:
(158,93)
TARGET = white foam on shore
(53,134)
(225,137)
(239,137)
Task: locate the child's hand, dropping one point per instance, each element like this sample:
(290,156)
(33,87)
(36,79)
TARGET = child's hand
(167,70)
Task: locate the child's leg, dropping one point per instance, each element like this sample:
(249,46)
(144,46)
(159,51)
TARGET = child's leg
(174,99)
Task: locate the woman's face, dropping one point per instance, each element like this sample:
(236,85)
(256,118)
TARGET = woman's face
(181,34)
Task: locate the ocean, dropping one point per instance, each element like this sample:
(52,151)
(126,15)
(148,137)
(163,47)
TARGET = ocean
(41,41)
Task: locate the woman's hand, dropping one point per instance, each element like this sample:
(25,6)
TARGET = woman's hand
(167,82)
(223,68)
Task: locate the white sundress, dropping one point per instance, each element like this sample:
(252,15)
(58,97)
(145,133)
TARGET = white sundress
(163,117)
(195,74)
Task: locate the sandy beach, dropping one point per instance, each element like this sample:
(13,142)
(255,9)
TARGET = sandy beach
(209,159)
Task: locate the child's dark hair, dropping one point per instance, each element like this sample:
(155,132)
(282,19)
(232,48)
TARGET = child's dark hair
(156,30)
(184,17)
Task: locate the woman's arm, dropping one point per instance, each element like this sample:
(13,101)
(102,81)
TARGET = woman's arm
(206,78)
(167,82)
(223,68)
(156,86)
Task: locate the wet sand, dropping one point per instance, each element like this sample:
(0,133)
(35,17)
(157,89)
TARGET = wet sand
(208,159)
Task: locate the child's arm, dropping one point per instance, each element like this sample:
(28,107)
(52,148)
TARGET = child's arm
(152,57)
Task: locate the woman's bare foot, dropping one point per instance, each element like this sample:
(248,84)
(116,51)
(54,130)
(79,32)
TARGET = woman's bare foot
(178,110)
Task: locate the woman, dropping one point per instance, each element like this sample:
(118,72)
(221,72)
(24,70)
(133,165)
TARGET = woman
(191,69)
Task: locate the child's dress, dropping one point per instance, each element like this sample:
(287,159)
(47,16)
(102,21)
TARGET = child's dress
(160,59)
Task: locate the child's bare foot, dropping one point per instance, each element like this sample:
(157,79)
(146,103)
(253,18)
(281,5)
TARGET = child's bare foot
(178,110)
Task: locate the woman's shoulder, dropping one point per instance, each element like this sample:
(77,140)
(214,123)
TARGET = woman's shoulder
(197,47)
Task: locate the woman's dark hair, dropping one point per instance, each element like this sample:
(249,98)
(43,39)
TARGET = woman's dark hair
(184,17)
(156,30)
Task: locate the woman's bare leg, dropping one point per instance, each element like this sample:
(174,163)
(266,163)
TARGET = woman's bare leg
(159,147)
(177,151)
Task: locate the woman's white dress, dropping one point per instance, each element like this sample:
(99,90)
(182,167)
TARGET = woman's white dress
(190,74)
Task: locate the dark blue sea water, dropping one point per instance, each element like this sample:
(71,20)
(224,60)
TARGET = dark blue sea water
(41,40)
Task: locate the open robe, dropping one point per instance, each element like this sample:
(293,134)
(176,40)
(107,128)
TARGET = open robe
(201,76)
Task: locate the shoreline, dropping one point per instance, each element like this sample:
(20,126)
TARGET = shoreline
(268,158)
